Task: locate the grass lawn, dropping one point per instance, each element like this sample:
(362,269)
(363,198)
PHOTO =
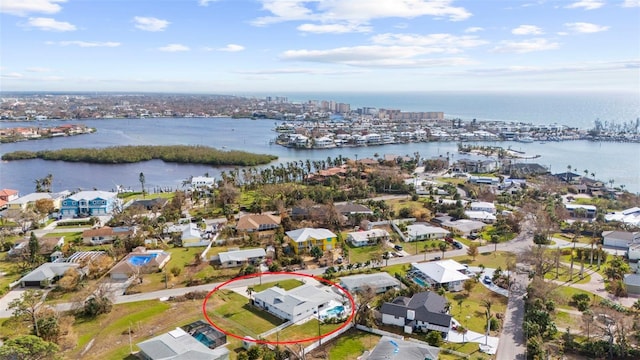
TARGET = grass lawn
(489,260)
(569,237)
(68,236)
(352,344)
(363,253)
(563,294)
(232,311)
(470,312)
(564,275)
(287,284)
(471,348)
(398,268)
(9,271)
(138,196)
(304,331)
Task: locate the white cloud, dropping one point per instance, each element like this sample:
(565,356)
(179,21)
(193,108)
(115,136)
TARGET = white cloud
(309,71)
(473,29)
(334,28)
(25,7)
(572,68)
(11,75)
(85,44)
(174,48)
(585,28)
(526,46)
(49,24)
(586,4)
(150,23)
(232,48)
(631,3)
(356,11)
(446,42)
(205,2)
(375,56)
(527,30)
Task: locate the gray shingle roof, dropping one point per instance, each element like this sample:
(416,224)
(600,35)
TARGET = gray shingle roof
(428,307)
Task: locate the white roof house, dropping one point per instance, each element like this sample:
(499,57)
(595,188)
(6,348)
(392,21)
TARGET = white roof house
(629,216)
(239,257)
(418,232)
(484,216)
(483,206)
(296,304)
(621,239)
(304,234)
(202,181)
(369,237)
(445,272)
(379,282)
(178,344)
(47,273)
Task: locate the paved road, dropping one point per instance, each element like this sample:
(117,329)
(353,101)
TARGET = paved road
(512,345)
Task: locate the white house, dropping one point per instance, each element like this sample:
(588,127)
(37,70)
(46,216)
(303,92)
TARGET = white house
(485,217)
(378,282)
(629,216)
(296,304)
(483,206)
(418,232)
(240,257)
(447,273)
(579,210)
(424,311)
(369,237)
(620,239)
(198,182)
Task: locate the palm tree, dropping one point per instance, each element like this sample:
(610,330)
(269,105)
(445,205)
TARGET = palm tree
(443,247)
(142,181)
(486,303)
(250,291)
(577,226)
(461,330)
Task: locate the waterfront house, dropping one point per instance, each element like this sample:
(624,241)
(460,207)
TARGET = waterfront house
(258,222)
(369,237)
(378,282)
(296,304)
(89,203)
(629,216)
(106,234)
(303,240)
(178,344)
(581,211)
(235,258)
(419,232)
(7,195)
(620,239)
(47,274)
(446,273)
(202,182)
(424,311)
(150,204)
(23,202)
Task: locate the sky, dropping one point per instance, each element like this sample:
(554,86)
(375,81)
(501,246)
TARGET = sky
(235,46)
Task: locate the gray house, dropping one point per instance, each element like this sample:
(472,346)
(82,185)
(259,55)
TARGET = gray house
(379,282)
(422,312)
(47,273)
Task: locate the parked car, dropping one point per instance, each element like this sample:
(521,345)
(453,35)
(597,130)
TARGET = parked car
(437,258)
(472,237)
(398,254)
(398,247)
(457,245)
(448,239)
(339,260)
(487,279)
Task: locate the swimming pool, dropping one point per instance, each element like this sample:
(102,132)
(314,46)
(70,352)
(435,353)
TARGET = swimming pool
(420,282)
(335,311)
(141,260)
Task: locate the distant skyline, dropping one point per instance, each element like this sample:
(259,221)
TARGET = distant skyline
(276,46)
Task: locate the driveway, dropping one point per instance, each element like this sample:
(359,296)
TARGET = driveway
(6,299)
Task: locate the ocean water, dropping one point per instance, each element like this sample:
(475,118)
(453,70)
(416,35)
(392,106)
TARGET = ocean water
(617,161)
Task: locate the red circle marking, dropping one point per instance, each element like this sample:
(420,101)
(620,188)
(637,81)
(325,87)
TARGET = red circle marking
(258,341)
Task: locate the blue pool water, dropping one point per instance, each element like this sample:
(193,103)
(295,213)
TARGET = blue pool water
(420,282)
(203,339)
(335,311)
(141,260)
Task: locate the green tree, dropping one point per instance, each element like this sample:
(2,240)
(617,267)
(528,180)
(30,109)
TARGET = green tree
(473,251)
(616,268)
(142,181)
(495,240)
(27,306)
(316,252)
(434,338)
(34,248)
(443,247)
(28,347)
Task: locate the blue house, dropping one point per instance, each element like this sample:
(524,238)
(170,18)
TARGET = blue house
(89,203)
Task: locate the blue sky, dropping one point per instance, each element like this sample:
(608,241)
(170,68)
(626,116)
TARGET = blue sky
(235,46)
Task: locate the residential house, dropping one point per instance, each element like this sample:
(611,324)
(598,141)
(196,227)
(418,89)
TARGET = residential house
(258,222)
(106,234)
(369,237)
(620,239)
(199,182)
(485,217)
(179,345)
(392,348)
(140,260)
(202,330)
(463,227)
(521,170)
(632,283)
(482,206)
(192,236)
(23,202)
(235,258)
(484,180)
(629,216)
(296,304)
(581,211)
(424,311)
(47,274)
(419,232)
(47,245)
(303,240)
(7,195)
(447,273)
(353,208)
(378,282)
(150,204)
(89,203)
